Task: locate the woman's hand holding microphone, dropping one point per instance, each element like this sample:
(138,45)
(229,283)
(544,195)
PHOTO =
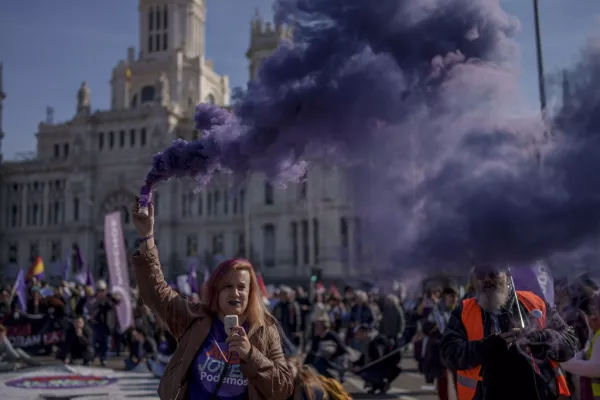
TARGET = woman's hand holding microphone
(239,343)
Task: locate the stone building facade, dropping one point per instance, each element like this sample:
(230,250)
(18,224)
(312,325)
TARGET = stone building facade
(95,162)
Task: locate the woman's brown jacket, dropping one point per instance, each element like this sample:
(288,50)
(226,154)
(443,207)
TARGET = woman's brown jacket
(266,368)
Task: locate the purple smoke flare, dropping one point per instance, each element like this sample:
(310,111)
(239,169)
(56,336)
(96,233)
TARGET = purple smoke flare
(418,100)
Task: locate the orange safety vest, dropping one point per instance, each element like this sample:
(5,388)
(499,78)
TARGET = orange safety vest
(471,318)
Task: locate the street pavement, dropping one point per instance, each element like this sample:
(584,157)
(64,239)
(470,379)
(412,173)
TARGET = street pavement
(55,381)
(51,382)
(410,385)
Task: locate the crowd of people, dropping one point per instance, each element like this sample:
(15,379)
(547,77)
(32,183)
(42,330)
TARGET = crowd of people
(87,320)
(304,342)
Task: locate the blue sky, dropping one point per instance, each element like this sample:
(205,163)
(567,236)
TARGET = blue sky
(50,47)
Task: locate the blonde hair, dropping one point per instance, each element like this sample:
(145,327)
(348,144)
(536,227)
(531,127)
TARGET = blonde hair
(307,381)
(258,316)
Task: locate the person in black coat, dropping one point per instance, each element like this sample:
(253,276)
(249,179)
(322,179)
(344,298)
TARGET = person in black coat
(379,376)
(78,344)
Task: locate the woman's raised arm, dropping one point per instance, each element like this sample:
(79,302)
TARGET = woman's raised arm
(154,290)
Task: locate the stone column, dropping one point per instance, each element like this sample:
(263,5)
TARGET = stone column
(282,230)
(247,217)
(23,204)
(310,206)
(44,205)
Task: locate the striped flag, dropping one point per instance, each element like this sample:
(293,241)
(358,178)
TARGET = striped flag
(36,269)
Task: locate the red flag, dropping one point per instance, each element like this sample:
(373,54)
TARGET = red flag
(261,284)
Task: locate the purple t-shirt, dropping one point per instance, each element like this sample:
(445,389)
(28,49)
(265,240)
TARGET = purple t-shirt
(208,364)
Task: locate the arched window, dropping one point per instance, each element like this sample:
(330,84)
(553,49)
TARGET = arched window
(150,20)
(166,17)
(111,139)
(147,94)
(210,99)
(100,141)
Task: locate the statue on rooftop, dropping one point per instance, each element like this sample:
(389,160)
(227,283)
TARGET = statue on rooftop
(83,99)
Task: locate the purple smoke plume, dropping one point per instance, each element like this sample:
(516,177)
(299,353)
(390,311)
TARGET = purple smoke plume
(418,100)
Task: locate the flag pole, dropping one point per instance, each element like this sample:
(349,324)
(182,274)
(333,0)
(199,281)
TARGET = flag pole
(512,282)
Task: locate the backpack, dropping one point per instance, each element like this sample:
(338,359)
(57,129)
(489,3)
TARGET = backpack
(334,389)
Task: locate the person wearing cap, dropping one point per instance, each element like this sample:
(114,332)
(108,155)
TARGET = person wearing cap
(495,356)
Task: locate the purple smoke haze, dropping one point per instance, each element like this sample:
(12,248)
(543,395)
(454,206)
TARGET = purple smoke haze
(418,100)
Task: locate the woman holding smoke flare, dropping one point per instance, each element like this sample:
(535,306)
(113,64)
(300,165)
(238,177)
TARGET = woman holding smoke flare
(209,363)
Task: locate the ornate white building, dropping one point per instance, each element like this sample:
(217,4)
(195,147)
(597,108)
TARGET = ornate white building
(95,163)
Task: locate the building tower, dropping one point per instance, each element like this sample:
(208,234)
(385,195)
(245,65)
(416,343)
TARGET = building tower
(2,97)
(170,68)
(166,26)
(263,42)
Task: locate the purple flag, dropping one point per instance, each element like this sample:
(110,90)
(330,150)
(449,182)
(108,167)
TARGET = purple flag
(67,267)
(192,276)
(537,279)
(19,290)
(206,273)
(89,279)
(116,256)
(78,259)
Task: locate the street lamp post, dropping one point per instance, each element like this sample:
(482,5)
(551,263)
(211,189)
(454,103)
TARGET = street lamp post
(540,60)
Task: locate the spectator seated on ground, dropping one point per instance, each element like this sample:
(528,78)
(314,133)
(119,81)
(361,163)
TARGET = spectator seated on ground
(11,358)
(78,344)
(377,372)
(328,353)
(141,349)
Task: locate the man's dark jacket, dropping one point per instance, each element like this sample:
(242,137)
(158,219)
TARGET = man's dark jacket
(508,373)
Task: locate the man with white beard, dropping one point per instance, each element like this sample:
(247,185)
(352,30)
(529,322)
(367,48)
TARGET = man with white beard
(495,358)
